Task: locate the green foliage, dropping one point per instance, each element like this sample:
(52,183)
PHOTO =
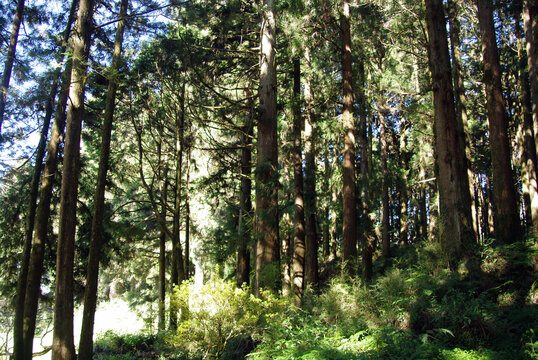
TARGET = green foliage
(416,310)
(112,346)
(218,313)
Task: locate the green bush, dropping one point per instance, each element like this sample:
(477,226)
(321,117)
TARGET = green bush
(218,312)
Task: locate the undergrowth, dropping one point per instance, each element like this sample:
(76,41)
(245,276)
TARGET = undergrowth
(415,310)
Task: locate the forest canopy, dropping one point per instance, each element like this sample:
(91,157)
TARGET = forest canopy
(268,179)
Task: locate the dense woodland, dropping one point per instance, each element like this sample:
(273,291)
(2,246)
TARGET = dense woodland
(314,179)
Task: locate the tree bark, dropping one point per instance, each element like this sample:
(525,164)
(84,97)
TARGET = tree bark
(10,58)
(96,239)
(310,209)
(507,222)
(63,344)
(267,247)
(349,236)
(455,221)
(298,263)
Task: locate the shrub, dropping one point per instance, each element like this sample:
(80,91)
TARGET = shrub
(219,312)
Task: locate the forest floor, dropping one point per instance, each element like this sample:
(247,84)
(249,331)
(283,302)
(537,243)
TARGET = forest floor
(414,309)
(115,316)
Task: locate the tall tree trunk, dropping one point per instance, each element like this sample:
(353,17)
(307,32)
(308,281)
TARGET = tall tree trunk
(507,223)
(10,58)
(162,244)
(527,155)
(63,344)
(187,215)
(267,246)
(18,342)
(366,237)
(287,240)
(385,225)
(530,23)
(311,234)
(456,232)
(178,271)
(327,196)
(422,204)
(245,206)
(404,197)
(349,236)
(464,141)
(40,237)
(298,264)
(29,229)
(96,239)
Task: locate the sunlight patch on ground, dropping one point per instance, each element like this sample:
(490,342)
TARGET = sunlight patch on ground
(114,315)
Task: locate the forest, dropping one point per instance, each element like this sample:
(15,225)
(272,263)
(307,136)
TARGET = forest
(269,179)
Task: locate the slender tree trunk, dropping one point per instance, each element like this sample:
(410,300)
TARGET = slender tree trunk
(267,247)
(327,196)
(96,239)
(507,223)
(29,230)
(311,235)
(287,224)
(422,204)
(530,23)
(178,271)
(385,225)
(187,215)
(366,237)
(10,58)
(162,246)
(404,197)
(527,155)
(35,267)
(464,141)
(298,263)
(34,190)
(27,244)
(245,207)
(349,236)
(63,344)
